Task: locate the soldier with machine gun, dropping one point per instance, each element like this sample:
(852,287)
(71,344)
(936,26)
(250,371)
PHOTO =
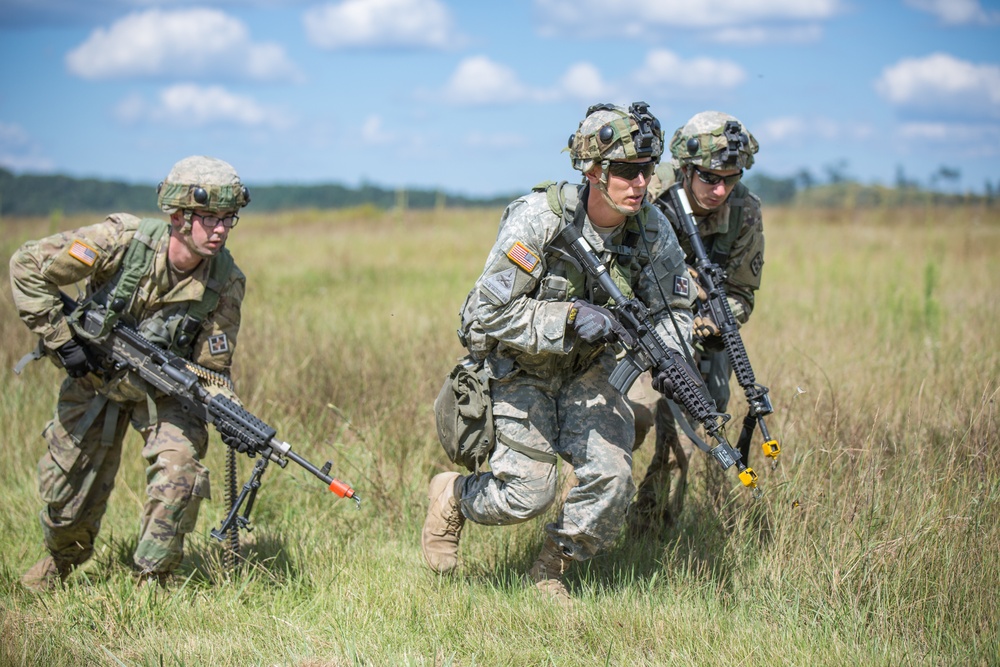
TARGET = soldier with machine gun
(151,345)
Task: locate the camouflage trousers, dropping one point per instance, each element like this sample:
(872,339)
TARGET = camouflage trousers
(581,419)
(77,474)
(660,498)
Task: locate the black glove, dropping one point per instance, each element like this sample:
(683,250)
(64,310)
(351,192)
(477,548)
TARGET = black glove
(75,359)
(592,323)
(662,384)
(237,444)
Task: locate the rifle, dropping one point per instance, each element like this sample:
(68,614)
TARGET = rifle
(122,347)
(717,306)
(645,350)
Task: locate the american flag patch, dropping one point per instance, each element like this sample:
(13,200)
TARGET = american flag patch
(218,344)
(83,252)
(520,255)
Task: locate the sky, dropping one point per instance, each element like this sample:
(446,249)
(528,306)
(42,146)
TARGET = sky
(479,98)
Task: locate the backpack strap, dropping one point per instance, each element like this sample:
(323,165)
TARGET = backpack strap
(218,274)
(722,245)
(117,294)
(556,197)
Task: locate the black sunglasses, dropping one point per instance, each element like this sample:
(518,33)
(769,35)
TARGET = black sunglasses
(715,179)
(631,170)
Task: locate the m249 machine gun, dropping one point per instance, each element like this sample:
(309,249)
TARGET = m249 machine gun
(121,348)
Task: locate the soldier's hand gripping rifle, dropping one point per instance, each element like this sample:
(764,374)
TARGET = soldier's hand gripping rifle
(122,347)
(645,350)
(712,277)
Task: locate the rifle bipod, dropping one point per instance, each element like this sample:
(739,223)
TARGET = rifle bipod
(233,521)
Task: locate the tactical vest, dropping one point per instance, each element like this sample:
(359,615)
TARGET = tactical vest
(719,246)
(565,279)
(117,295)
(622,260)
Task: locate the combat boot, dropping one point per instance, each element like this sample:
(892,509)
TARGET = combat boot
(548,571)
(443,526)
(46,575)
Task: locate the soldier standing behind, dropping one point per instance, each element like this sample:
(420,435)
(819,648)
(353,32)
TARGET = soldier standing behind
(710,153)
(538,324)
(186,296)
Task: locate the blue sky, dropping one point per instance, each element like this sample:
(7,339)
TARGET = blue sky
(479,98)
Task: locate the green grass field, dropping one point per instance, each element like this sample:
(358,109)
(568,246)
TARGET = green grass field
(876,542)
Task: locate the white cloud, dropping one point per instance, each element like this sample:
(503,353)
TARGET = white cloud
(641,17)
(957,12)
(352,24)
(191,105)
(952,132)
(798,130)
(782,129)
(195,42)
(19,152)
(941,82)
(374,133)
(480,81)
(665,68)
(958,139)
(584,81)
(757,35)
(12,135)
(930,131)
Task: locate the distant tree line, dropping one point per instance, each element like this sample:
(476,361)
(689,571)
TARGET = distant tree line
(38,195)
(839,189)
(41,195)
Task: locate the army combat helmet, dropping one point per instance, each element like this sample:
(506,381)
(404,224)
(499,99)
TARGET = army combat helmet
(202,183)
(612,133)
(713,140)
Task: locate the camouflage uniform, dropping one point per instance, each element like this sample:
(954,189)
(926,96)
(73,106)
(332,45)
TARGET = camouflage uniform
(742,261)
(84,439)
(550,390)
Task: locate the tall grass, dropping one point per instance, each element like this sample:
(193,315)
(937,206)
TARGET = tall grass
(875,543)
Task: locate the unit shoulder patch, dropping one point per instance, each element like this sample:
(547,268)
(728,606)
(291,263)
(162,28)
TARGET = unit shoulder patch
(682,286)
(82,252)
(501,285)
(218,344)
(520,255)
(757,263)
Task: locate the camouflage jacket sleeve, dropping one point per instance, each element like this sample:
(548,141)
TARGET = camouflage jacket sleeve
(664,281)
(506,309)
(39,268)
(216,342)
(746,261)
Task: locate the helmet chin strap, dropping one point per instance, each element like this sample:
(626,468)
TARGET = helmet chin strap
(688,171)
(184,233)
(602,187)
